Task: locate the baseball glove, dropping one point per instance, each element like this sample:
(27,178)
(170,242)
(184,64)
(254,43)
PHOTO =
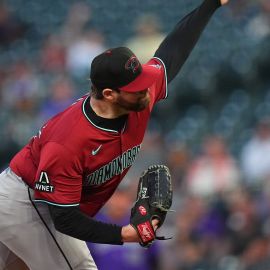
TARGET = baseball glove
(154,199)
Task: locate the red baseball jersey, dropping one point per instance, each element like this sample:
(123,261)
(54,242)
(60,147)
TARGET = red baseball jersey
(71,161)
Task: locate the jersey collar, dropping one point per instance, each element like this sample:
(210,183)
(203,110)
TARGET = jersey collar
(111,125)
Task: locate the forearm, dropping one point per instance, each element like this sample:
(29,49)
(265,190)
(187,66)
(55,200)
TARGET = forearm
(71,221)
(177,46)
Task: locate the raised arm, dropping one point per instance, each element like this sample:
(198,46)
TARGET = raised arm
(178,44)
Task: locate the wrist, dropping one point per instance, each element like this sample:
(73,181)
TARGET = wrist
(129,234)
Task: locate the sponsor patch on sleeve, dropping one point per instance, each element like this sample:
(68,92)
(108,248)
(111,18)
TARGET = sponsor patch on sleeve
(43,184)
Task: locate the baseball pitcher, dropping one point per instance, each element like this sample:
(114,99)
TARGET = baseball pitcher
(56,184)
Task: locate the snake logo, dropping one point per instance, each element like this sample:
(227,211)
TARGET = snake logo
(132,64)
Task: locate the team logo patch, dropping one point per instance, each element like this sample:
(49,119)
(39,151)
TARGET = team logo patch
(142,210)
(132,64)
(43,183)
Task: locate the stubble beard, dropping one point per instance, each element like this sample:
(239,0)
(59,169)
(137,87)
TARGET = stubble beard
(135,107)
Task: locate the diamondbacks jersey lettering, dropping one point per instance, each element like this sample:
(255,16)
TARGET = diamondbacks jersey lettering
(115,167)
(73,162)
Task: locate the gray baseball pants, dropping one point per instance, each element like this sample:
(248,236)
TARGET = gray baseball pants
(23,233)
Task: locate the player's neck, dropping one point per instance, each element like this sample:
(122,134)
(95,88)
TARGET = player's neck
(106,109)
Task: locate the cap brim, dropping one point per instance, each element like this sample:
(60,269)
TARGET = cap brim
(146,79)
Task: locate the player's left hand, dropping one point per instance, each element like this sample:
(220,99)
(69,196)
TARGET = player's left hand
(154,199)
(224,2)
(129,234)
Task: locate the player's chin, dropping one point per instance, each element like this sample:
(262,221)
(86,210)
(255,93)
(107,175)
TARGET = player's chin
(143,104)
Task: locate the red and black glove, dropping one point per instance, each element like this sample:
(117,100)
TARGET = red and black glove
(154,199)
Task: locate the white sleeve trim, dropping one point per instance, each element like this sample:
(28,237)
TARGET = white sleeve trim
(56,204)
(165,73)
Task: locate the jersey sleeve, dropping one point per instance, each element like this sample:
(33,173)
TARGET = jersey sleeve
(59,176)
(159,89)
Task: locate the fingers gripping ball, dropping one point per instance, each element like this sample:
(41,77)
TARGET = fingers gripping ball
(154,199)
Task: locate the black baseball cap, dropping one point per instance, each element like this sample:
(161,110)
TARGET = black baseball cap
(119,68)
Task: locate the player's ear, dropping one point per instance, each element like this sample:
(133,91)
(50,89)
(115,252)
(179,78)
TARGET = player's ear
(109,94)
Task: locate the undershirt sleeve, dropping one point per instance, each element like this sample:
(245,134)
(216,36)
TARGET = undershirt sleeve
(71,221)
(178,44)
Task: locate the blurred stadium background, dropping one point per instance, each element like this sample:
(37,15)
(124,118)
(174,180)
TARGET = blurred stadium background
(213,131)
